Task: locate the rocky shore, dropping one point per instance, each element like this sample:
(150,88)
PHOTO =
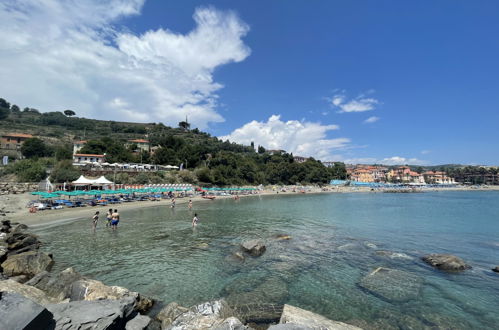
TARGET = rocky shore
(32,296)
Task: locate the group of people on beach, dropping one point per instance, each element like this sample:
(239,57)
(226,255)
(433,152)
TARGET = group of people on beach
(112,219)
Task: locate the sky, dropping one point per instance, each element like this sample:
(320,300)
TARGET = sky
(392,82)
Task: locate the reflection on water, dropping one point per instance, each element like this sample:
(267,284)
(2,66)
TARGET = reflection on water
(337,240)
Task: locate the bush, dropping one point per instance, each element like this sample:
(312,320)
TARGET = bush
(64,172)
(28,170)
(186,176)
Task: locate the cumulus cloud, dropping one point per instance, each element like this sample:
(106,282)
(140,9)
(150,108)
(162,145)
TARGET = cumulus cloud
(371,120)
(60,54)
(298,137)
(395,160)
(360,103)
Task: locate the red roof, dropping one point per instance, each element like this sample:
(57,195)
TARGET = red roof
(80,142)
(139,141)
(88,155)
(20,135)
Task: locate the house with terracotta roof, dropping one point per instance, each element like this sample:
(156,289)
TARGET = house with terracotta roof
(438,177)
(13,141)
(300,159)
(141,144)
(88,158)
(77,145)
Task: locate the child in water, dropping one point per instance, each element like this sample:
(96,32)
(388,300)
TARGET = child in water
(195,220)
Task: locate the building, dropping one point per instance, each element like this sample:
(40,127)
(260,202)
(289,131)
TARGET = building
(14,141)
(328,164)
(77,146)
(141,144)
(276,152)
(300,159)
(437,178)
(403,174)
(88,158)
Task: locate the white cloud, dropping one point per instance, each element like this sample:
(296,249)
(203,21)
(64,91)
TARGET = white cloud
(395,160)
(425,152)
(371,120)
(359,104)
(298,137)
(72,54)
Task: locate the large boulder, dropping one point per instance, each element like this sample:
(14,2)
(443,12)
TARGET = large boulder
(56,285)
(203,316)
(3,253)
(27,263)
(231,323)
(300,317)
(255,247)
(95,315)
(30,292)
(446,262)
(496,269)
(139,322)
(20,313)
(23,241)
(169,313)
(392,285)
(87,289)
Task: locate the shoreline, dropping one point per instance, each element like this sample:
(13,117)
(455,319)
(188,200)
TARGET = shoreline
(20,213)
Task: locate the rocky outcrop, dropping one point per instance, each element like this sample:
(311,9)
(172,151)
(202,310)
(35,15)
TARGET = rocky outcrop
(392,285)
(139,322)
(87,289)
(204,316)
(56,285)
(394,255)
(169,313)
(95,315)
(7,188)
(302,318)
(496,269)
(27,263)
(446,262)
(27,291)
(255,247)
(19,312)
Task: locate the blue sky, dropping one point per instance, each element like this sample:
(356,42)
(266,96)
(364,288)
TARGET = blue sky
(359,81)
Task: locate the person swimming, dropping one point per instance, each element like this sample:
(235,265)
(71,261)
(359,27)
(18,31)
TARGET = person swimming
(195,220)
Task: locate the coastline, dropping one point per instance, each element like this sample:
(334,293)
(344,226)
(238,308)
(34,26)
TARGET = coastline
(17,212)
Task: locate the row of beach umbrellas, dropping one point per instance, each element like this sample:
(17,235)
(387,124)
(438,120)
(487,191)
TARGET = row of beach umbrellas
(60,193)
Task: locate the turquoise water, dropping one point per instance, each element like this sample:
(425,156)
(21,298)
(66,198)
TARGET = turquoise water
(336,239)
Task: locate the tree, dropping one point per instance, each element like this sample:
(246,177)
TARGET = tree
(261,150)
(64,172)
(15,109)
(34,147)
(69,113)
(4,113)
(185,125)
(62,153)
(4,104)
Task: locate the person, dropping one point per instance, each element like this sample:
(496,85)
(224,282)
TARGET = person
(190,204)
(195,220)
(95,218)
(115,220)
(109,217)
(173,202)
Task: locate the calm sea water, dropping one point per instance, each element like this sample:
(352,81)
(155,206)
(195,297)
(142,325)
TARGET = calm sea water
(336,239)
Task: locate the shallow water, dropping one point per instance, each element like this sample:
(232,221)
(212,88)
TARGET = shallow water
(336,239)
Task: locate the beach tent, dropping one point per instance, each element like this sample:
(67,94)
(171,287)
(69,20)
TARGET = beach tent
(103,181)
(83,181)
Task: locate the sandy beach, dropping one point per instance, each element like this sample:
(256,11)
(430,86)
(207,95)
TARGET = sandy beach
(16,210)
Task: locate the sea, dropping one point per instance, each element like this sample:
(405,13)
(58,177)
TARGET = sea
(336,243)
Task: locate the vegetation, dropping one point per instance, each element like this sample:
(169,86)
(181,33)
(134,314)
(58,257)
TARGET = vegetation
(28,170)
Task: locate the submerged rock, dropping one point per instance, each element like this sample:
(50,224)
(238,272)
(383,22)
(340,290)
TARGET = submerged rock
(446,262)
(496,269)
(394,255)
(300,317)
(282,237)
(19,312)
(27,263)
(392,284)
(255,247)
(95,315)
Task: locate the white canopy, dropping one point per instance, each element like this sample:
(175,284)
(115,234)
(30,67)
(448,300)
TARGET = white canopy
(84,181)
(102,180)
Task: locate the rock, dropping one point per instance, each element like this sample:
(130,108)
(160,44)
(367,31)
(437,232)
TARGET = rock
(87,289)
(268,290)
(301,317)
(27,291)
(496,269)
(258,313)
(394,255)
(5,229)
(371,245)
(255,247)
(446,262)
(19,278)
(139,322)
(56,285)
(18,312)
(282,237)
(95,315)
(19,228)
(27,263)
(203,316)
(21,240)
(6,223)
(3,254)
(231,323)
(289,326)
(392,285)
(169,313)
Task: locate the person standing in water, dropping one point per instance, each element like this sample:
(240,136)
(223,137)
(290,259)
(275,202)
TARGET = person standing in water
(95,218)
(109,217)
(115,220)
(190,204)
(195,220)
(173,202)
